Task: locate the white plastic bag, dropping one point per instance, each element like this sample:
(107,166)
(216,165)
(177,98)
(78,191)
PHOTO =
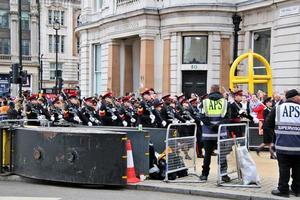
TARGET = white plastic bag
(247,167)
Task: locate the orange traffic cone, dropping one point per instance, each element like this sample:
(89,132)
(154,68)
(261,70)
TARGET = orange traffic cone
(131,177)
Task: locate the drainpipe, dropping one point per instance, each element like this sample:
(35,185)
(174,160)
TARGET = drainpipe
(39,43)
(236,20)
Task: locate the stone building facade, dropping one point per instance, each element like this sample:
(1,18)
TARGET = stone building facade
(9,46)
(67,12)
(179,46)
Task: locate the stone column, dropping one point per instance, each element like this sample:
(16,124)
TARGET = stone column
(147,62)
(166,65)
(14,37)
(113,72)
(84,65)
(225,61)
(34,35)
(128,76)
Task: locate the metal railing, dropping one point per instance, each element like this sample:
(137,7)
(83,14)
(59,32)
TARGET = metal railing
(125,2)
(5,57)
(180,152)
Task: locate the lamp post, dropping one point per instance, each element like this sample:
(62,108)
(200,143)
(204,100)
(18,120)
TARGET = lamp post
(56,27)
(41,72)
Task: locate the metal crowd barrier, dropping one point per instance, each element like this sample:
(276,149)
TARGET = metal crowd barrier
(180,151)
(254,138)
(228,163)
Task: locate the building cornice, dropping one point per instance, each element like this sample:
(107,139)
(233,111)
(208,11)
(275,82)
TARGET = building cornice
(115,18)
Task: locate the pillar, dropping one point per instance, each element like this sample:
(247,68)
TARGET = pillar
(147,62)
(166,66)
(128,75)
(113,73)
(225,62)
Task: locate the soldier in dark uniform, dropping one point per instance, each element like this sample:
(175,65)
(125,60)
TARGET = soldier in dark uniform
(43,109)
(57,110)
(159,122)
(238,113)
(127,112)
(73,112)
(169,113)
(89,111)
(31,111)
(145,113)
(195,112)
(109,115)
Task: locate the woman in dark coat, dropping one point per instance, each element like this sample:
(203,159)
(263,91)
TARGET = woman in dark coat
(268,134)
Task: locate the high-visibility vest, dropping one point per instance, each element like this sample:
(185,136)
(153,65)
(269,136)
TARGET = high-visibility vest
(215,110)
(287,128)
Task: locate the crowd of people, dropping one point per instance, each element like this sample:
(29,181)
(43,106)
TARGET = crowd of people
(207,111)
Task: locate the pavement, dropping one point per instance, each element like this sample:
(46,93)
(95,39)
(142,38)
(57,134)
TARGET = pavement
(267,169)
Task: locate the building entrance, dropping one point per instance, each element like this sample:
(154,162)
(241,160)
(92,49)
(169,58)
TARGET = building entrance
(194,82)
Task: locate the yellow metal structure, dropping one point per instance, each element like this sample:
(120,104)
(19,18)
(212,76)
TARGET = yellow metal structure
(251,79)
(5,148)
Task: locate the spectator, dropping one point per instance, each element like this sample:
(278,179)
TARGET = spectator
(12,112)
(4,107)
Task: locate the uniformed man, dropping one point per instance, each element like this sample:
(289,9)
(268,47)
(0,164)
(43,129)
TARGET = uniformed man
(127,112)
(73,112)
(31,111)
(238,113)
(109,114)
(89,111)
(169,113)
(145,113)
(195,112)
(214,112)
(285,120)
(57,110)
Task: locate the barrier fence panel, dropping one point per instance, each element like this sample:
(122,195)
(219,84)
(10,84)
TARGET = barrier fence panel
(180,151)
(254,138)
(230,138)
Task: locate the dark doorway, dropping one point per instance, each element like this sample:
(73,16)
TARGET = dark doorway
(194,82)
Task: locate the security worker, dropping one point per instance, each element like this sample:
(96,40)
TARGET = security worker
(214,112)
(285,120)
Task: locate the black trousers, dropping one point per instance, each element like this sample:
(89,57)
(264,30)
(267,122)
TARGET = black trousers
(209,147)
(288,164)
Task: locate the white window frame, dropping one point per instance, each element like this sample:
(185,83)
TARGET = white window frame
(95,70)
(52,70)
(252,43)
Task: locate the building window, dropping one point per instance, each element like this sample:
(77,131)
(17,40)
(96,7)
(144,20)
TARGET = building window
(194,50)
(261,44)
(62,17)
(53,70)
(99,4)
(4,19)
(51,44)
(78,46)
(25,21)
(4,46)
(97,70)
(60,45)
(56,14)
(26,47)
